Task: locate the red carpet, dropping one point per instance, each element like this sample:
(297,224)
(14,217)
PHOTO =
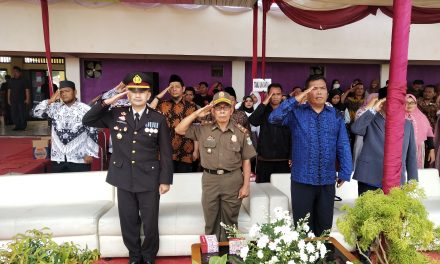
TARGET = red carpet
(17,157)
(159,260)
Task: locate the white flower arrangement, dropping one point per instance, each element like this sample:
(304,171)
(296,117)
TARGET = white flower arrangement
(280,241)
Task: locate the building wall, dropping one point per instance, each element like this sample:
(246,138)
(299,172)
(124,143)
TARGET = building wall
(167,30)
(181,41)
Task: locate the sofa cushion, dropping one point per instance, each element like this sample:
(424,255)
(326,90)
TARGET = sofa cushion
(432,205)
(63,220)
(174,219)
(54,188)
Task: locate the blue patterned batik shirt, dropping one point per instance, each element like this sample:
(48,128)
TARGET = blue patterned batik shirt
(318,140)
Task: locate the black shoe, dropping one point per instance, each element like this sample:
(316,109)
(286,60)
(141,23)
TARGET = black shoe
(16,129)
(148,260)
(135,260)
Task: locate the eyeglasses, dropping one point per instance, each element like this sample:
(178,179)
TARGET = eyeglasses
(411,103)
(222,107)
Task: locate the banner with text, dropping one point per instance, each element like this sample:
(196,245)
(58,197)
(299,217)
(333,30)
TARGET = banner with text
(260,85)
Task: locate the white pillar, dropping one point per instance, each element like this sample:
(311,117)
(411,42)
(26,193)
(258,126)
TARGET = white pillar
(238,78)
(73,73)
(384,74)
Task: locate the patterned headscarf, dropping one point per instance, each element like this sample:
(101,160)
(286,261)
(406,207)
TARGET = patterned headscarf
(422,129)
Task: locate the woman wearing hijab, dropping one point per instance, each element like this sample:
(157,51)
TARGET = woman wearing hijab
(422,131)
(248,107)
(257,98)
(334,98)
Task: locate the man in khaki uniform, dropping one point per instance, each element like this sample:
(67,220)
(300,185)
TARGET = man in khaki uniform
(225,153)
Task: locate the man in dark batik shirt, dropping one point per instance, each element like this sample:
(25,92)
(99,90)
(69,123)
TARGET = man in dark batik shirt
(176,109)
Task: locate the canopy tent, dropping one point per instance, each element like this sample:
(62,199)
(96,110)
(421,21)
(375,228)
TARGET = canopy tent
(322,14)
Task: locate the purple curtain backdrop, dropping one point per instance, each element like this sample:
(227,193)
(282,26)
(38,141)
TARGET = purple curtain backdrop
(295,74)
(430,74)
(114,70)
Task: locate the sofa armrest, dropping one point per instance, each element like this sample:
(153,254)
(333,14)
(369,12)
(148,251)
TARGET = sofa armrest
(276,198)
(257,204)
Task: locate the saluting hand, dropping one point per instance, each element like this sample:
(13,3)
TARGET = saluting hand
(121,87)
(267,99)
(379,104)
(115,98)
(54,97)
(204,111)
(164,188)
(300,97)
(162,94)
(372,103)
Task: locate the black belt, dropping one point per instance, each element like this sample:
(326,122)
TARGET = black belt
(218,172)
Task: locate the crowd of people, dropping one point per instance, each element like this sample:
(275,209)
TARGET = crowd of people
(320,134)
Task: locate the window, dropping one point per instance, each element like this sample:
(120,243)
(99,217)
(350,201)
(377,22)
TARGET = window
(317,70)
(3,73)
(42,60)
(5,59)
(216,70)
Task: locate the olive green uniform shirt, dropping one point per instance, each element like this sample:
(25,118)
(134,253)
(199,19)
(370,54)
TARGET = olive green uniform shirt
(222,150)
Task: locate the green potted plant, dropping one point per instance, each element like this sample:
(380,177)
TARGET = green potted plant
(38,247)
(394,228)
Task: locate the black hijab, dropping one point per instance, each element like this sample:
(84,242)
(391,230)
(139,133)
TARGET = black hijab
(243,106)
(340,106)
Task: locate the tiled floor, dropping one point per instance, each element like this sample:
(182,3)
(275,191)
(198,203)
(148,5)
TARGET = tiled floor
(34,128)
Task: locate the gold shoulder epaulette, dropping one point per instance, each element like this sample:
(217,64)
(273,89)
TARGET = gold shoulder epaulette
(241,128)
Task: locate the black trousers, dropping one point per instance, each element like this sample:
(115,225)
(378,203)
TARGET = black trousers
(147,204)
(69,167)
(18,114)
(182,167)
(318,200)
(362,187)
(266,168)
(7,114)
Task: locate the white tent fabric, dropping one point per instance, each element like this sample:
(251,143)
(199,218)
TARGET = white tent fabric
(239,6)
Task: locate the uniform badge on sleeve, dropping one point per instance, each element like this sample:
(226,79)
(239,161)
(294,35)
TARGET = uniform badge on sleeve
(249,141)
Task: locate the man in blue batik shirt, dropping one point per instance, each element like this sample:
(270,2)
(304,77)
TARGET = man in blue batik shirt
(319,139)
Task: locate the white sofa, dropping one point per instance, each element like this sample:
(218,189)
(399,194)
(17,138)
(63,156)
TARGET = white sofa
(80,207)
(428,179)
(181,218)
(70,204)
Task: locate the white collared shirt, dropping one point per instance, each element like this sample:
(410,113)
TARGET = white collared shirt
(140,113)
